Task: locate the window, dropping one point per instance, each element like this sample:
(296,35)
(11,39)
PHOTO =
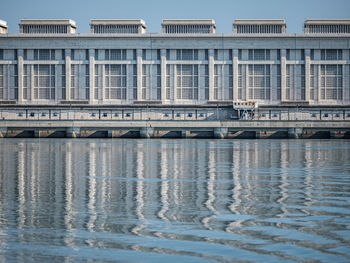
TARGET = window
(43,114)
(115,82)
(44,82)
(20,114)
(326,115)
(44,54)
(167,82)
(93,114)
(74,91)
(313,115)
(201,115)
(189,115)
(32,114)
(134,70)
(337,115)
(166,115)
(259,82)
(187,54)
(105,114)
(331,82)
(55,114)
(115,54)
(87,57)
(96,54)
(178,115)
(331,54)
(128,115)
(259,54)
(1,54)
(116,115)
(187,82)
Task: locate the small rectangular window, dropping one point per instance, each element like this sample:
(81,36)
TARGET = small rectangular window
(105,114)
(32,114)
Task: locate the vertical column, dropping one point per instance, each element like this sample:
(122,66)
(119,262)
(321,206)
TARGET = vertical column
(211,74)
(68,71)
(319,84)
(163,74)
(20,75)
(283,74)
(345,84)
(173,91)
(57,71)
(273,82)
(103,83)
(235,74)
(307,74)
(139,73)
(246,87)
(31,83)
(91,75)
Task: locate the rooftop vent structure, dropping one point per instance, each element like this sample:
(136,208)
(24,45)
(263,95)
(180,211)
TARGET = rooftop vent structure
(117,26)
(188,26)
(327,26)
(47,26)
(3,27)
(264,26)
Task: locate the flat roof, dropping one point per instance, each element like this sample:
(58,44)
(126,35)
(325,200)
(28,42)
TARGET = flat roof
(188,22)
(327,22)
(48,22)
(259,21)
(118,22)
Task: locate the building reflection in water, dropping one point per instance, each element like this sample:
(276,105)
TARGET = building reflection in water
(82,192)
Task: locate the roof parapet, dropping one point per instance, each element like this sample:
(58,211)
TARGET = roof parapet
(188,26)
(327,26)
(3,27)
(117,26)
(47,26)
(259,26)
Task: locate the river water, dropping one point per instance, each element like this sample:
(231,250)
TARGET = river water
(121,200)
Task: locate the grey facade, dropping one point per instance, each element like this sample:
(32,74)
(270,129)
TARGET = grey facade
(118,63)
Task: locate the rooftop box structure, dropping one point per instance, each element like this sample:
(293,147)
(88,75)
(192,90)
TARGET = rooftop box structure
(264,26)
(47,26)
(188,26)
(117,26)
(3,27)
(327,26)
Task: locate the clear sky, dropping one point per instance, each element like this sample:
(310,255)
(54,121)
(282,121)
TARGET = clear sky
(153,11)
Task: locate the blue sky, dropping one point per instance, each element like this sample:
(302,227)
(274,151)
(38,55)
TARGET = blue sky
(153,11)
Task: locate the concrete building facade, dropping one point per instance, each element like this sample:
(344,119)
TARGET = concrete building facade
(118,63)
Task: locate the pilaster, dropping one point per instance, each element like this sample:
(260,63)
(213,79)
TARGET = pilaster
(307,74)
(283,75)
(20,75)
(91,75)
(68,71)
(211,74)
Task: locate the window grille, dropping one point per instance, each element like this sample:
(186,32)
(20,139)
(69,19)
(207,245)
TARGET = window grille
(44,54)
(44,82)
(187,82)
(258,54)
(259,82)
(331,54)
(115,54)
(331,82)
(115,82)
(187,54)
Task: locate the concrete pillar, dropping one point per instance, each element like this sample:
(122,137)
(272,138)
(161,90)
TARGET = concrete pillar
(163,74)
(295,133)
(139,73)
(211,74)
(146,132)
(92,75)
(220,133)
(20,75)
(283,74)
(68,71)
(235,74)
(307,74)
(73,132)
(3,132)
(31,83)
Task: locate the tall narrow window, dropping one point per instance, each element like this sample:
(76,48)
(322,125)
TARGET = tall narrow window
(44,82)
(115,82)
